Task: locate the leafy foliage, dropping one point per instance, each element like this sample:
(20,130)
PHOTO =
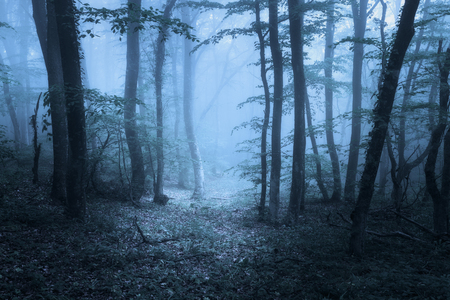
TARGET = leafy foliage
(152,18)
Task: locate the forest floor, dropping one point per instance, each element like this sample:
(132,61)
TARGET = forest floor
(210,249)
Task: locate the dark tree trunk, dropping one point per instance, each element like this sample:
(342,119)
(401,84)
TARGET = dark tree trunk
(397,192)
(382,113)
(36,145)
(296,199)
(45,21)
(160,57)
(73,90)
(359,12)
(277,58)
(329,55)
(440,200)
(265,125)
(199,176)
(129,111)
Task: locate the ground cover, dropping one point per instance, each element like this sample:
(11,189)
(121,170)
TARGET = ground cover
(210,249)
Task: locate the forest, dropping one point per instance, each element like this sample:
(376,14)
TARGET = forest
(201,149)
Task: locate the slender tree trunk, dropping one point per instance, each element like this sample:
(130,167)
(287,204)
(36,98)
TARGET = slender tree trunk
(46,28)
(312,137)
(359,11)
(265,125)
(199,177)
(10,106)
(277,58)
(160,57)
(129,112)
(182,170)
(382,113)
(70,57)
(329,55)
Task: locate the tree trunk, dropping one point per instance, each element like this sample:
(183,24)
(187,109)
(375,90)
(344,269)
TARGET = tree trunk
(440,200)
(382,113)
(265,125)
(319,178)
(397,193)
(160,57)
(277,58)
(359,12)
(199,177)
(182,170)
(129,111)
(70,57)
(296,202)
(11,110)
(48,38)
(329,55)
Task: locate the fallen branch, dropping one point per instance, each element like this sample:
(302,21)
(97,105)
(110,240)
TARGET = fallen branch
(396,234)
(415,223)
(146,240)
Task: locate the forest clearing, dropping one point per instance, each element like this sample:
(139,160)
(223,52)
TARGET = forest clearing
(209,249)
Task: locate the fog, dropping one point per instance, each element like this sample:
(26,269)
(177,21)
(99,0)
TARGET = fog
(226,73)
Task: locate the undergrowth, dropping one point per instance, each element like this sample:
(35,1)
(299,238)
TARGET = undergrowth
(209,249)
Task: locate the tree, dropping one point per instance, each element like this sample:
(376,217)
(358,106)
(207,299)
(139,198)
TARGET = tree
(328,59)
(73,91)
(300,93)
(188,100)
(129,110)
(160,57)
(359,13)
(440,198)
(277,58)
(265,125)
(46,27)
(382,113)
(9,104)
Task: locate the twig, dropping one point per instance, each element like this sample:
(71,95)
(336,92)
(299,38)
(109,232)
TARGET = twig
(343,218)
(146,240)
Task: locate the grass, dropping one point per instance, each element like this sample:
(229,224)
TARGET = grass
(210,249)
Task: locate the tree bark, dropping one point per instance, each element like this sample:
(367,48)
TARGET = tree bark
(129,111)
(73,90)
(46,28)
(199,176)
(359,12)
(382,113)
(265,125)
(277,59)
